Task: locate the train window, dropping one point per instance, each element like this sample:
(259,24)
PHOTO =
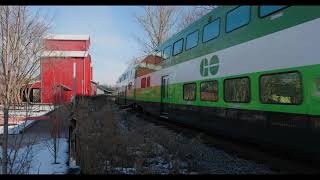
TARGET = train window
(189,91)
(130,86)
(166,52)
(148,81)
(211,30)
(157,57)
(209,91)
(268,9)
(237,18)
(318,85)
(192,40)
(177,47)
(143,82)
(237,90)
(281,88)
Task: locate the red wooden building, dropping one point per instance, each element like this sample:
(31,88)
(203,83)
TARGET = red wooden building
(66,57)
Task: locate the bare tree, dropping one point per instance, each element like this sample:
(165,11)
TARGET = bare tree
(57,121)
(21,44)
(157,23)
(59,104)
(160,22)
(52,143)
(189,15)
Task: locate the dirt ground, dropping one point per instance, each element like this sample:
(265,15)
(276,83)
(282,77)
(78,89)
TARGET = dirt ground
(114,141)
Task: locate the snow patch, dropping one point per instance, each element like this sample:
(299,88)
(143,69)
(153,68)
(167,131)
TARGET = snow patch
(20,126)
(42,161)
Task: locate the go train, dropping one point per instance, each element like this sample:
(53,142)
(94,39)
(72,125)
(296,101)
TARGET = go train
(248,72)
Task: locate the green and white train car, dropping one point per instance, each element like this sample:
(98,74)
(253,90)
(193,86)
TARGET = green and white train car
(250,72)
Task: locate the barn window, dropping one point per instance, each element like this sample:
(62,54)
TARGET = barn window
(211,30)
(36,94)
(237,90)
(143,82)
(281,88)
(189,91)
(237,18)
(267,10)
(177,47)
(192,40)
(209,91)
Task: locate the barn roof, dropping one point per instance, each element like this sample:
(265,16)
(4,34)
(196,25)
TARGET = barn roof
(102,88)
(64,87)
(65,54)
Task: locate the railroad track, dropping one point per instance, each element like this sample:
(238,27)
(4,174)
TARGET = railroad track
(276,161)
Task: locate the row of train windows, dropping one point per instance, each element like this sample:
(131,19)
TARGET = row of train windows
(235,19)
(280,88)
(125,76)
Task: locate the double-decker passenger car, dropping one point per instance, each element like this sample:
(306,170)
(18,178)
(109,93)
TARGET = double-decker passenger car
(249,72)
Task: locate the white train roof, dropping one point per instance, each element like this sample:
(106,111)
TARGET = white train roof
(67,37)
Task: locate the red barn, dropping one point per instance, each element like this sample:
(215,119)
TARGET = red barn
(66,58)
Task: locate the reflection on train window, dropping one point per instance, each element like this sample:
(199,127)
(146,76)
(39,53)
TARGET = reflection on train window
(209,91)
(177,47)
(267,10)
(158,57)
(167,52)
(130,86)
(189,91)
(237,18)
(237,90)
(211,30)
(192,40)
(281,88)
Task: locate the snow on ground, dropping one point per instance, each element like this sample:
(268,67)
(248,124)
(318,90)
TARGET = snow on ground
(29,113)
(16,117)
(16,129)
(42,161)
(23,113)
(33,107)
(125,170)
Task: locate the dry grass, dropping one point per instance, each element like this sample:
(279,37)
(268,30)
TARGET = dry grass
(113,141)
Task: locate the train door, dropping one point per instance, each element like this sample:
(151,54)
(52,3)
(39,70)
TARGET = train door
(164,96)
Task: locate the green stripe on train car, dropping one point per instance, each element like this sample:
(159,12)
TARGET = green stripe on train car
(308,105)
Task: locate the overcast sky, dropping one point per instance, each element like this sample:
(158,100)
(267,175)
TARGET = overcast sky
(111,30)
